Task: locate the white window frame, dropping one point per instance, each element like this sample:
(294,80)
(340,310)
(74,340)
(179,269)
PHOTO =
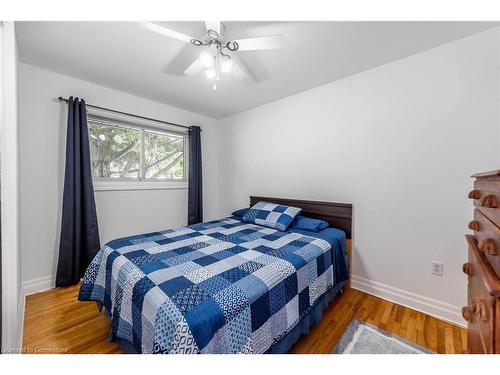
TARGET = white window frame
(140,183)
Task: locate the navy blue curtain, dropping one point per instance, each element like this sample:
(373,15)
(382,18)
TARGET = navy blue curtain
(79,241)
(195,189)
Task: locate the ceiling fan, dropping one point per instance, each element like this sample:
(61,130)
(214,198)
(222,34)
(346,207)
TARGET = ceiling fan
(218,52)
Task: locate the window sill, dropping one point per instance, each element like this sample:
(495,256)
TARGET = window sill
(139,185)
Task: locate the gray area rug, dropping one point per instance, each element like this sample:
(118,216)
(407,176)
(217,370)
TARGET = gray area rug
(363,338)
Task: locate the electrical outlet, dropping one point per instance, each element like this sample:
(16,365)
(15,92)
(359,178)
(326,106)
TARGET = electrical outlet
(437,268)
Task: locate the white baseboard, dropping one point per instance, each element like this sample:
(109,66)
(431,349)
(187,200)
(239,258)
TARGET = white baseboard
(39,284)
(430,306)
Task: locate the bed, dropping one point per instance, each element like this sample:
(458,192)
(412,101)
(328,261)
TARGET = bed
(223,286)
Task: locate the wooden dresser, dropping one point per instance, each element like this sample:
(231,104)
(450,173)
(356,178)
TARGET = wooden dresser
(483,268)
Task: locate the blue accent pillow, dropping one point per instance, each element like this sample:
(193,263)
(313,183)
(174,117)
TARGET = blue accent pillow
(240,212)
(271,215)
(309,224)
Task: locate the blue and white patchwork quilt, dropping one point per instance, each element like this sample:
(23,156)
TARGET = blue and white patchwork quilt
(223,286)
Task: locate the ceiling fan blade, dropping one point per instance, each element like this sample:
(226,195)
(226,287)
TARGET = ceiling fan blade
(164,31)
(194,68)
(265,42)
(213,25)
(239,70)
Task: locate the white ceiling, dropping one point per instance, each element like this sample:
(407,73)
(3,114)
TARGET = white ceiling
(123,56)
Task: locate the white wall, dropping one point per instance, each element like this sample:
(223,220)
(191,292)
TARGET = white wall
(42,152)
(399,142)
(12,303)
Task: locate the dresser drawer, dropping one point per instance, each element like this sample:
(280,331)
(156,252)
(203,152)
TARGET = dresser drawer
(481,309)
(486,196)
(488,236)
(483,267)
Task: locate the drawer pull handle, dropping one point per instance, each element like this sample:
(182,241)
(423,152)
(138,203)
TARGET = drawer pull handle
(474,225)
(467,313)
(487,246)
(489,201)
(479,310)
(467,268)
(474,194)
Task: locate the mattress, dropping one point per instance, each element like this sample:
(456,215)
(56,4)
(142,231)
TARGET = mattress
(223,286)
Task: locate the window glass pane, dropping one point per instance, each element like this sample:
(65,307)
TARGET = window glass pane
(163,156)
(114,151)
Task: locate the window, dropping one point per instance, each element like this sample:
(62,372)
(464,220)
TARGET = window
(122,152)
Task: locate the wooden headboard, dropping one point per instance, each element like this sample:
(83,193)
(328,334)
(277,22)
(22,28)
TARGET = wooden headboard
(339,215)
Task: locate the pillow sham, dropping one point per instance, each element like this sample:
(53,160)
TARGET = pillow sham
(300,222)
(271,215)
(240,212)
(308,223)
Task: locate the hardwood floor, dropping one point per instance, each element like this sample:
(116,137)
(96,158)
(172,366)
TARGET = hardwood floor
(56,322)
(414,326)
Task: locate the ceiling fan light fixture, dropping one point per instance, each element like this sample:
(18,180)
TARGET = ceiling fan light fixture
(206,59)
(214,44)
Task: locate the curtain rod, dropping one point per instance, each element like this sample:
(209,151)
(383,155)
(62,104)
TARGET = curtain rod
(61,99)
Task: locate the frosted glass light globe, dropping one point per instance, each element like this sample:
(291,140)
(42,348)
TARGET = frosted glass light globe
(206,59)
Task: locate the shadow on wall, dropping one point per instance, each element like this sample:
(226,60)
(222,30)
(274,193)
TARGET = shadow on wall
(61,161)
(355,258)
